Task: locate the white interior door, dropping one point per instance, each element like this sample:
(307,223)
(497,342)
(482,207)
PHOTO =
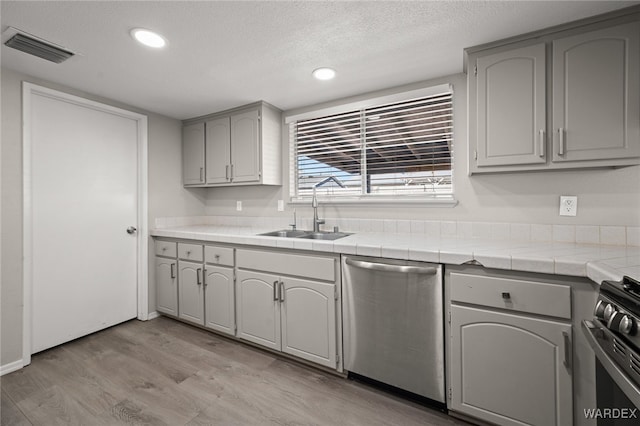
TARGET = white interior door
(84,195)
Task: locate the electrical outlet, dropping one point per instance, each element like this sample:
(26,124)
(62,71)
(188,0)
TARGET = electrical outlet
(239,206)
(568,205)
(280,205)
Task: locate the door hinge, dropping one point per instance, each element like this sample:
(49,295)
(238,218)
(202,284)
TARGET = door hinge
(449,317)
(450,394)
(475,70)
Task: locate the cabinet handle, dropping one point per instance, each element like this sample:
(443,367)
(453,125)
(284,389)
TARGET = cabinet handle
(281,291)
(198,277)
(173,272)
(204,277)
(226,172)
(506,296)
(275,290)
(541,133)
(231,172)
(561,141)
(201,171)
(567,349)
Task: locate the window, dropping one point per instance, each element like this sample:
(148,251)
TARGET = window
(389,150)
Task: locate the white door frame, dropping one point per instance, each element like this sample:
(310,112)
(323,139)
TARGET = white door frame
(28,90)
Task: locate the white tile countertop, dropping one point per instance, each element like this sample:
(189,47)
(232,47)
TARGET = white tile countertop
(597,262)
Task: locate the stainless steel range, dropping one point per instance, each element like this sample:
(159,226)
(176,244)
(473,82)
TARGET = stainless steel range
(614,336)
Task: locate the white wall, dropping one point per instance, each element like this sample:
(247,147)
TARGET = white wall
(605,196)
(167,197)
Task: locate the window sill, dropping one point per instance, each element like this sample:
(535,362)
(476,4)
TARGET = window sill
(448,201)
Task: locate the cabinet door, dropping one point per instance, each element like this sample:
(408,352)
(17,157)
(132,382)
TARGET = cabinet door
(309,320)
(596,95)
(191,292)
(193,154)
(511,107)
(219,300)
(218,150)
(167,286)
(510,369)
(258,308)
(245,146)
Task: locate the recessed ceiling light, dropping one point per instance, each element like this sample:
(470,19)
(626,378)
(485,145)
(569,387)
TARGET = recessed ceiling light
(148,38)
(324,73)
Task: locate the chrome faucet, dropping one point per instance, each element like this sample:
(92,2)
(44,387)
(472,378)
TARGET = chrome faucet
(316,222)
(314,200)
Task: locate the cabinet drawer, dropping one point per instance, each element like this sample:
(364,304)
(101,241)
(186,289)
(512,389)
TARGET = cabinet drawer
(165,248)
(517,295)
(190,252)
(218,255)
(321,268)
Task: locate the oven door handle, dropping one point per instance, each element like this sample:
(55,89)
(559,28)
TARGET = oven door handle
(620,377)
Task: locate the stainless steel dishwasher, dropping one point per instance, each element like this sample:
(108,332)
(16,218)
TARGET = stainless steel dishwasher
(393,323)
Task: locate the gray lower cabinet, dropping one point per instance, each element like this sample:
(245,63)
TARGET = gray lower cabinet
(510,363)
(510,369)
(191,294)
(295,315)
(219,299)
(258,308)
(166,270)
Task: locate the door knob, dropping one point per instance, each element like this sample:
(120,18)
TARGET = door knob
(131,230)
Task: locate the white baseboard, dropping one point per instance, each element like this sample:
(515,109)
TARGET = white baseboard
(11,367)
(152,315)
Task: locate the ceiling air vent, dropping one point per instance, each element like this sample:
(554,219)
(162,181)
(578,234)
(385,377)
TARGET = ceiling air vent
(38,47)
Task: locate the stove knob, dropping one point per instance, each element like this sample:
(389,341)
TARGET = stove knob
(609,312)
(598,312)
(627,325)
(622,323)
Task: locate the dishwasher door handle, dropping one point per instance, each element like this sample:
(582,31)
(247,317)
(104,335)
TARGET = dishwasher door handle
(384,267)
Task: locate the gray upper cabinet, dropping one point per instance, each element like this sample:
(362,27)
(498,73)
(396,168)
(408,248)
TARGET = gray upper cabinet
(245,147)
(218,148)
(241,146)
(564,99)
(511,107)
(193,154)
(596,86)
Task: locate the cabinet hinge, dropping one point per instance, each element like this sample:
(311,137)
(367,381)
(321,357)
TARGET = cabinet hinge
(335,293)
(475,70)
(450,394)
(337,359)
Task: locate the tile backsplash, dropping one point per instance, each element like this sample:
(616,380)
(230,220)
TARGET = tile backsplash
(581,234)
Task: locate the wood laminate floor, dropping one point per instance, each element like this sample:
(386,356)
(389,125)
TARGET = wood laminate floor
(163,372)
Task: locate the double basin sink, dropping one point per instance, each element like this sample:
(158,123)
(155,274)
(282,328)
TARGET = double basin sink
(310,235)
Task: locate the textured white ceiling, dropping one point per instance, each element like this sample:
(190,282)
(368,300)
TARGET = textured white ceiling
(227,53)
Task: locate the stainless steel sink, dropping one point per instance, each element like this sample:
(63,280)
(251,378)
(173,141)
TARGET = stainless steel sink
(329,236)
(286,233)
(298,233)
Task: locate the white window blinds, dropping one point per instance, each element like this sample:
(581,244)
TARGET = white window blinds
(390,150)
